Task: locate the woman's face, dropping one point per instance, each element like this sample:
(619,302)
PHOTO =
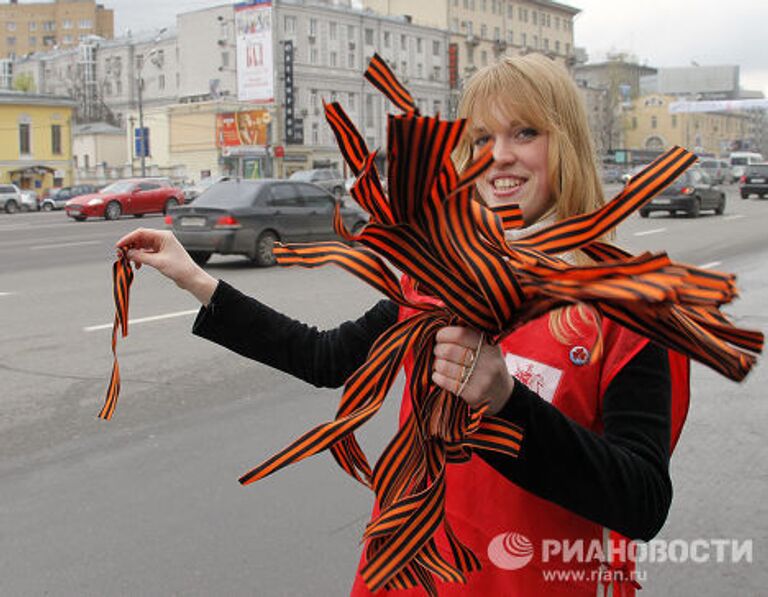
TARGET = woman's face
(519,172)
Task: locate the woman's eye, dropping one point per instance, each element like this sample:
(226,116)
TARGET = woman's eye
(480,141)
(527,133)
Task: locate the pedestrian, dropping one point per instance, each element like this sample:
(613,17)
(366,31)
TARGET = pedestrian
(598,431)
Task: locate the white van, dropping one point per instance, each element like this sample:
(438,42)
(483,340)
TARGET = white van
(739,160)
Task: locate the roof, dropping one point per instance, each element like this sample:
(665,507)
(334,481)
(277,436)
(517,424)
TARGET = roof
(97,128)
(8,96)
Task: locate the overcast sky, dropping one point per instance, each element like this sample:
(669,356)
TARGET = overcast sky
(657,32)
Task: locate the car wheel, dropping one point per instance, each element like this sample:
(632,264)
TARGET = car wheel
(47,207)
(113,211)
(200,257)
(720,209)
(745,195)
(172,202)
(264,256)
(11,206)
(644,213)
(81,218)
(695,209)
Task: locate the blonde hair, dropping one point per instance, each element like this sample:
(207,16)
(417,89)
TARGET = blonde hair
(540,93)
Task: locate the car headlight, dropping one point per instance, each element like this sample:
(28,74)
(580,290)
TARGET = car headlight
(95,202)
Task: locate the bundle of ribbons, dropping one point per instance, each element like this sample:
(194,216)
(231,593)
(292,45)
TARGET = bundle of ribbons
(454,249)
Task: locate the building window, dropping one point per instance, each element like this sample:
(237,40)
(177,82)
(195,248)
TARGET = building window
(10,26)
(387,39)
(225,59)
(32,41)
(313,56)
(333,30)
(56,139)
(10,41)
(436,73)
(351,32)
(419,45)
(419,70)
(403,42)
(67,39)
(455,25)
(24,146)
(435,48)
(119,87)
(85,24)
(523,40)
(654,122)
(315,134)
(557,47)
(161,82)
(32,26)
(289,24)
(436,107)
(351,60)
(510,37)
(674,121)
(66,24)
(369,37)
(334,59)
(351,101)
(368,109)
(313,26)
(49,26)
(484,31)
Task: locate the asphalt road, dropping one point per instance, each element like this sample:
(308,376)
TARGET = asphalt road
(149,504)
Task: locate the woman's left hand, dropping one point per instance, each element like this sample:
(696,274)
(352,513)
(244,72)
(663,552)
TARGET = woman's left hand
(485,381)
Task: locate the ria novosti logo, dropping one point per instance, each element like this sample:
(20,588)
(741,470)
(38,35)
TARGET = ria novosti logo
(510,551)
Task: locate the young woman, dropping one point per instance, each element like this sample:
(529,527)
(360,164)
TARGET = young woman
(597,434)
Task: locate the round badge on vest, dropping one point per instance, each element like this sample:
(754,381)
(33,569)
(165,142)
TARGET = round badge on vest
(579,356)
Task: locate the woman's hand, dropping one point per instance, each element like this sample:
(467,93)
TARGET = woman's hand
(162,250)
(488,381)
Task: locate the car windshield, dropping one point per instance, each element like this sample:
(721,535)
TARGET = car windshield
(738,161)
(117,187)
(229,194)
(302,175)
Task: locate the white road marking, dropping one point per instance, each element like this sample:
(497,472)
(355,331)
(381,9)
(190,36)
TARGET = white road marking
(108,326)
(733,217)
(652,231)
(711,264)
(61,245)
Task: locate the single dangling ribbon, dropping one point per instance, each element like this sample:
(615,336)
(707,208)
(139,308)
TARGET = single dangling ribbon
(122,277)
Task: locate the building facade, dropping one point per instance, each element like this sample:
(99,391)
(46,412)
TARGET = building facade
(42,26)
(483,30)
(35,140)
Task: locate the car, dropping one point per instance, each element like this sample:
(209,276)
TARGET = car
(133,196)
(754,181)
(692,192)
(10,198)
(247,217)
(727,174)
(327,178)
(611,174)
(29,200)
(57,197)
(715,169)
(193,191)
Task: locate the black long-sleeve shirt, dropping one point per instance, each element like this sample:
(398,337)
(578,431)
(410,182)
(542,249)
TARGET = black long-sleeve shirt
(619,479)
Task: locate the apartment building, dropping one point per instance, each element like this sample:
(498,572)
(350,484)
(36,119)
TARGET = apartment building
(483,30)
(42,26)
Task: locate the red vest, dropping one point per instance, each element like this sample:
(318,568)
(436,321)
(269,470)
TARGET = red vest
(508,527)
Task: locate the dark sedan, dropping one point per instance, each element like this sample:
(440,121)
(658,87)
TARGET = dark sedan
(754,181)
(691,193)
(246,217)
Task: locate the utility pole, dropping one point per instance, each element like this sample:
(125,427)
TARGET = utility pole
(140,85)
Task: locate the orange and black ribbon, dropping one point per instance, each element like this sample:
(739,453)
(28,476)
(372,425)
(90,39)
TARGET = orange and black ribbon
(122,276)
(454,249)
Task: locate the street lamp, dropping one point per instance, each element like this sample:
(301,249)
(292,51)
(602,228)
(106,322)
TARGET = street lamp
(140,85)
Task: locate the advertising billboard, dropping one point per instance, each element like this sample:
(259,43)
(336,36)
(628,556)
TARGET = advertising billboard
(247,127)
(255,71)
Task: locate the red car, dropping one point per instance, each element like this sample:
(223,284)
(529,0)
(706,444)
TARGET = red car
(134,196)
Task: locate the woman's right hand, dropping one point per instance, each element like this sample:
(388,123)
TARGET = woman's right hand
(162,250)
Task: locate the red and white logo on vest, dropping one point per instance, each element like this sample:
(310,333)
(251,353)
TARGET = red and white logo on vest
(510,551)
(539,377)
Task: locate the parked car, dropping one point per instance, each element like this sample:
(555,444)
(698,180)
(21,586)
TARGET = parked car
(29,200)
(10,198)
(134,196)
(327,178)
(57,197)
(611,174)
(691,193)
(193,191)
(715,170)
(754,181)
(247,217)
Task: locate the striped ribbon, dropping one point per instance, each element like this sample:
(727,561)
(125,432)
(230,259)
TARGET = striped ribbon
(454,250)
(122,277)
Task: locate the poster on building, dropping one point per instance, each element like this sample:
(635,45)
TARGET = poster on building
(255,75)
(247,127)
